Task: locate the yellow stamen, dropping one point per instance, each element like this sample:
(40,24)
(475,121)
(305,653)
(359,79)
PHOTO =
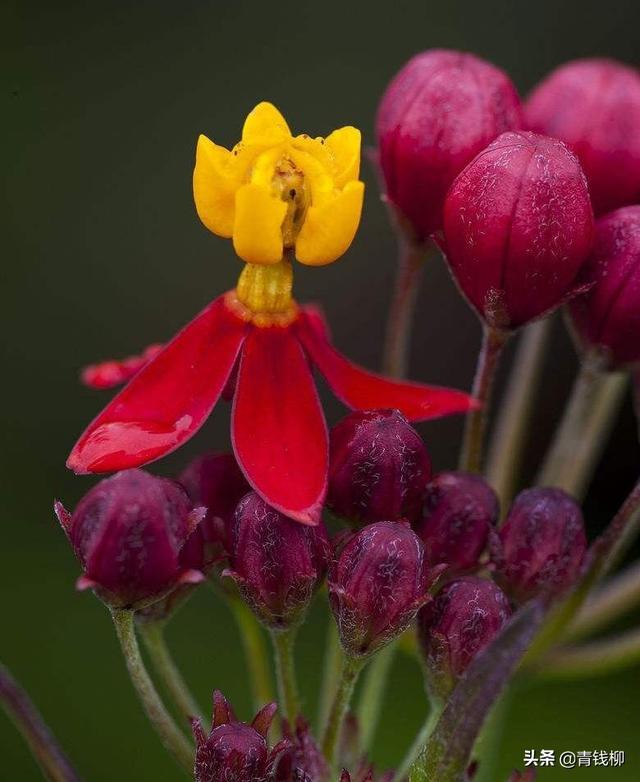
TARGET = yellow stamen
(265,292)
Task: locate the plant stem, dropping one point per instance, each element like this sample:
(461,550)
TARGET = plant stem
(283,645)
(411,257)
(596,658)
(255,652)
(330,675)
(487,746)
(166,668)
(508,440)
(371,699)
(172,737)
(402,772)
(493,341)
(351,668)
(54,764)
(587,420)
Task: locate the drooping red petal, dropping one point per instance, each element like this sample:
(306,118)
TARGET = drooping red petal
(278,429)
(115,372)
(362,390)
(168,400)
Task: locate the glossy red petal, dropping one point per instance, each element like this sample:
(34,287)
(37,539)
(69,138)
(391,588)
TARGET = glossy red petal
(115,372)
(168,400)
(362,390)
(278,430)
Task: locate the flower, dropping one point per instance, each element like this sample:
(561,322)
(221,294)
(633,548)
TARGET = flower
(540,549)
(463,619)
(304,759)
(276,563)
(518,226)
(128,533)
(234,751)
(459,510)
(377,583)
(378,467)
(274,191)
(607,316)
(594,107)
(439,111)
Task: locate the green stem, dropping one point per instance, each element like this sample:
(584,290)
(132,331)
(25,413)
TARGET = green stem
(586,423)
(172,738)
(371,699)
(255,652)
(514,417)
(411,257)
(351,668)
(330,674)
(593,659)
(43,745)
(283,645)
(402,771)
(493,341)
(166,668)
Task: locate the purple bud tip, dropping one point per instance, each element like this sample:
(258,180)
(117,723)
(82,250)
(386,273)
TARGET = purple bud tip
(459,510)
(378,468)
(377,583)
(128,532)
(276,562)
(303,759)
(540,549)
(462,620)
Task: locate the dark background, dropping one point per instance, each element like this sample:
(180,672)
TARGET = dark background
(103,253)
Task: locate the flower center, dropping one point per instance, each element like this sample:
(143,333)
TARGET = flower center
(288,183)
(264,291)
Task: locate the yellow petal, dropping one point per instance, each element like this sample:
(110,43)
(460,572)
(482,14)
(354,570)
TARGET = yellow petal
(315,147)
(265,122)
(257,231)
(214,187)
(345,145)
(328,230)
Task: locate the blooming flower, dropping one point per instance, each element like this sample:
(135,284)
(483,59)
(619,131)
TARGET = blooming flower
(254,344)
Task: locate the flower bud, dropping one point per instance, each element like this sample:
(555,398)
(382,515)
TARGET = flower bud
(607,316)
(594,107)
(462,620)
(541,547)
(378,468)
(518,226)
(234,751)
(523,776)
(276,562)
(303,759)
(128,532)
(439,111)
(460,508)
(377,583)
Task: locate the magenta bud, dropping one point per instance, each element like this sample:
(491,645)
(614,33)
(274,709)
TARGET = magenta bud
(541,547)
(607,316)
(594,107)
(128,533)
(303,760)
(459,510)
(377,583)
(463,619)
(518,226)
(234,751)
(277,563)
(378,468)
(438,112)
(523,776)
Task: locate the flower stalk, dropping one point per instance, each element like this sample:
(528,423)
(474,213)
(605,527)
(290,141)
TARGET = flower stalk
(330,674)
(283,645)
(402,772)
(255,652)
(593,659)
(372,697)
(351,668)
(171,736)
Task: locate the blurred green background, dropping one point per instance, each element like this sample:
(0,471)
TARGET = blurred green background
(103,254)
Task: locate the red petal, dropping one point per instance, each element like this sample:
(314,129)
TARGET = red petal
(362,390)
(168,400)
(279,432)
(108,374)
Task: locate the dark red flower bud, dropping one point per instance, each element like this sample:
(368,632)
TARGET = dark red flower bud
(518,226)
(377,583)
(277,563)
(439,111)
(607,316)
(462,620)
(234,751)
(540,549)
(460,508)
(378,468)
(523,776)
(128,533)
(594,107)
(304,758)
